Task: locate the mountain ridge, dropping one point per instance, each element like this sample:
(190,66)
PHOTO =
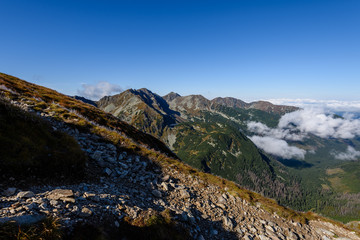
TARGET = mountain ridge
(211,135)
(133,186)
(215,147)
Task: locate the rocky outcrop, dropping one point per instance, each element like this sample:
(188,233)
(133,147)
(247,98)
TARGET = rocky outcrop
(271,108)
(141,108)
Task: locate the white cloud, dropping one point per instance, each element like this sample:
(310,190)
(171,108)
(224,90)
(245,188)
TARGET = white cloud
(350,154)
(101,89)
(327,105)
(278,147)
(317,122)
(297,125)
(280,133)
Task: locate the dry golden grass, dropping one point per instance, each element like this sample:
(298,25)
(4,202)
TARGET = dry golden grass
(48,229)
(125,136)
(332,171)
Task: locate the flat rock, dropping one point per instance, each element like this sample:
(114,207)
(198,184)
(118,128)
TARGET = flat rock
(156,193)
(25,194)
(184,193)
(60,194)
(166,178)
(221,200)
(228,223)
(68,199)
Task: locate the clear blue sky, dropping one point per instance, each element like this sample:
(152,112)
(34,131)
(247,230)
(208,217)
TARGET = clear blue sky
(249,49)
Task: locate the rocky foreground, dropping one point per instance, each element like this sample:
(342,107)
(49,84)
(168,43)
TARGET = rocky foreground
(131,185)
(127,185)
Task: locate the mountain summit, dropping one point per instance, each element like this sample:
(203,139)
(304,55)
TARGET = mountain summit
(202,133)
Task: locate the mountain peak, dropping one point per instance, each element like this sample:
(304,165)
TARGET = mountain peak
(230,102)
(119,163)
(269,107)
(171,96)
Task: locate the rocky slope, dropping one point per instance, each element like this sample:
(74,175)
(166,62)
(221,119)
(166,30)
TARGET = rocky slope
(209,135)
(141,108)
(194,103)
(127,180)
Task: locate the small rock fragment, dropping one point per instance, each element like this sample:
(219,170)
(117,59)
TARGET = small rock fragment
(156,193)
(108,171)
(85,212)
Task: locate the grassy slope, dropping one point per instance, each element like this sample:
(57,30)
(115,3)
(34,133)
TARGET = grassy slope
(45,97)
(333,196)
(30,147)
(212,140)
(88,118)
(223,151)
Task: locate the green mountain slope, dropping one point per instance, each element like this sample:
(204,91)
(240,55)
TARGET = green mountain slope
(209,135)
(141,108)
(89,125)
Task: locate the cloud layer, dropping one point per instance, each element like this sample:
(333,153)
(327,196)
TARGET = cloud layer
(327,105)
(296,126)
(317,122)
(101,89)
(350,154)
(278,147)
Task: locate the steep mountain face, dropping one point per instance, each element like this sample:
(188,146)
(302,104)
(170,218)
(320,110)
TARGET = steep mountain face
(211,135)
(206,135)
(141,108)
(230,102)
(190,106)
(130,187)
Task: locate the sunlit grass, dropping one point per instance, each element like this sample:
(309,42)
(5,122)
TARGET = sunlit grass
(90,119)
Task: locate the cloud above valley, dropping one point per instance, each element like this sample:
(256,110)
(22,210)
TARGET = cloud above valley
(327,105)
(349,154)
(297,125)
(99,90)
(316,121)
(278,147)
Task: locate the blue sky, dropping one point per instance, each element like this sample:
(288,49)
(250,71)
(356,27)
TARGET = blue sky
(248,49)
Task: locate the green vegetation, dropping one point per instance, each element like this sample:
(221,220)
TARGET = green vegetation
(149,224)
(75,112)
(48,229)
(30,147)
(212,138)
(90,119)
(302,185)
(223,151)
(242,116)
(347,176)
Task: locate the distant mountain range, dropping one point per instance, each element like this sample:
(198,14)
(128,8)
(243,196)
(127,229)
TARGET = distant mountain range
(201,132)
(69,169)
(211,135)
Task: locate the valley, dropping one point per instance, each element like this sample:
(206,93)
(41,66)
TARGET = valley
(212,135)
(108,180)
